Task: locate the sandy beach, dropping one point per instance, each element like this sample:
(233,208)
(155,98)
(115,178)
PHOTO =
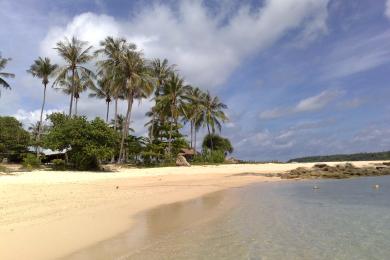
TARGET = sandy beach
(47,214)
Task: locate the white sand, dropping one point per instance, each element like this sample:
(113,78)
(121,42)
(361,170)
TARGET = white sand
(46,214)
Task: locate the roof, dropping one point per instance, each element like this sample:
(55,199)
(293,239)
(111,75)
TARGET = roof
(46,151)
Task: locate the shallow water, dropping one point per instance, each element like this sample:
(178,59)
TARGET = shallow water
(343,219)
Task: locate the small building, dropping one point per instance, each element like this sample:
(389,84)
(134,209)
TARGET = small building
(187,153)
(48,155)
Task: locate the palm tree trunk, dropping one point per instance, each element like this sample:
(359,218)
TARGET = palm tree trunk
(40,119)
(75,107)
(108,111)
(126,127)
(72,94)
(211,139)
(170,139)
(192,133)
(116,113)
(195,140)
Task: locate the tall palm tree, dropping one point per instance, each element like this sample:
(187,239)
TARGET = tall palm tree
(138,85)
(213,114)
(172,100)
(103,91)
(112,50)
(3,64)
(161,70)
(76,54)
(76,85)
(42,68)
(194,108)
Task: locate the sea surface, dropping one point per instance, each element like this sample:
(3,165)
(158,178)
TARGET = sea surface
(339,219)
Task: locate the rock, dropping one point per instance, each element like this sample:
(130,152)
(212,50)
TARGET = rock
(232,160)
(386,163)
(320,165)
(181,161)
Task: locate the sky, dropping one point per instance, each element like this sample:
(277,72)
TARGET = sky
(300,77)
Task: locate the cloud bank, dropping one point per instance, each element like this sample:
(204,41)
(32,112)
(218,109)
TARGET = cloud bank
(207,47)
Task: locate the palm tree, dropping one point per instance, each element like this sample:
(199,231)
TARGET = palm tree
(161,70)
(194,109)
(112,50)
(76,86)
(138,84)
(43,69)
(75,53)
(172,101)
(103,91)
(3,64)
(212,114)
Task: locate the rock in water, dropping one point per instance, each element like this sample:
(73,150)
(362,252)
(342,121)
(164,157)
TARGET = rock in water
(182,161)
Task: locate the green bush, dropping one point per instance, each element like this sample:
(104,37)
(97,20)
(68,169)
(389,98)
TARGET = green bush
(58,165)
(30,162)
(210,157)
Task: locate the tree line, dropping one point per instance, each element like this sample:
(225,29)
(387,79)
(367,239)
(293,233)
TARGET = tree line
(123,74)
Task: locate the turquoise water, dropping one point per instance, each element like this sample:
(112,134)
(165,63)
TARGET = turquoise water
(343,219)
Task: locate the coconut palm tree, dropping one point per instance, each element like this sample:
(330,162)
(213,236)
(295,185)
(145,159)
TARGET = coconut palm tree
(76,85)
(76,54)
(103,91)
(161,70)
(139,84)
(212,114)
(3,75)
(42,68)
(112,51)
(194,108)
(172,101)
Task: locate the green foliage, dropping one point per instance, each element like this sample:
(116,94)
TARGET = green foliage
(381,156)
(210,157)
(88,143)
(14,140)
(217,143)
(30,161)
(58,165)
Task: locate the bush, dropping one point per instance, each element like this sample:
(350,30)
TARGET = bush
(210,157)
(88,142)
(14,140)
(31,162)
(58,165)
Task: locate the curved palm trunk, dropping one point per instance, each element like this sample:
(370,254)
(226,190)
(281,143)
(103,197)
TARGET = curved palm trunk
(125,131)
(72,94)
(40,119)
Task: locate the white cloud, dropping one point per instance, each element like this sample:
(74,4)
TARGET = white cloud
(28,118)
(206,49)
(312,103)
(387,9)
(357,54)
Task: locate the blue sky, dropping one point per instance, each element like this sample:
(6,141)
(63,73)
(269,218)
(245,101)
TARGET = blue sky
(300,77)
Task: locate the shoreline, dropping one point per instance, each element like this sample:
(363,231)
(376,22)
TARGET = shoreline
(53,214)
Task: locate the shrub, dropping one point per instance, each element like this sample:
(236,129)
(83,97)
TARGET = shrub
(31,162)
(14,140)
(58,165)
(88,142)
(210,157)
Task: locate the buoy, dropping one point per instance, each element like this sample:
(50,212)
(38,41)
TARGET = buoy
(376,186)
(315,187)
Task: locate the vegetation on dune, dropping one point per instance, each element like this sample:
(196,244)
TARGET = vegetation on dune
(380,156)
(123,75)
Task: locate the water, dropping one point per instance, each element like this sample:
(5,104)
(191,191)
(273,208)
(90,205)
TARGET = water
(343,219)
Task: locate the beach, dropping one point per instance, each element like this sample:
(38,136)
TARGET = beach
(48,214)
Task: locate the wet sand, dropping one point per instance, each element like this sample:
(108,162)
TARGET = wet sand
(46,215)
